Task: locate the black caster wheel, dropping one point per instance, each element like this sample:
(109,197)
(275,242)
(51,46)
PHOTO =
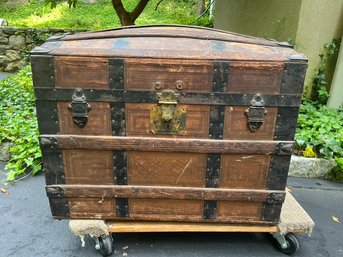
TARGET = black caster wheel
(291,246)
(104,245)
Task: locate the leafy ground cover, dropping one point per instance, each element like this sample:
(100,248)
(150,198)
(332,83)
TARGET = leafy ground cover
(18,124)
(320,134)
(98,15)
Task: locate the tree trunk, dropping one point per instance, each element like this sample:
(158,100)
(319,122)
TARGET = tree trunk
(201,7)
(128,18)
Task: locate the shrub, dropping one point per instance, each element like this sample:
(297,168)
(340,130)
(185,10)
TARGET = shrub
(18,124)
(320,128)
(320,133)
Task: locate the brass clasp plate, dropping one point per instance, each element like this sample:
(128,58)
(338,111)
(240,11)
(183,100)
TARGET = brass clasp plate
(167,117)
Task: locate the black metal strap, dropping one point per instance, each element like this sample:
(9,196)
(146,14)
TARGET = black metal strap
(121,96)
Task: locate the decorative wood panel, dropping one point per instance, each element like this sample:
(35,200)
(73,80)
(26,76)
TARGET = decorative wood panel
(72,72)
(91,208)
(252,77)
(238,210)
(138,120)
(166,169)
(141,74)
(165,208)
(88,167)
(236,124)
(244,171)
(99,120)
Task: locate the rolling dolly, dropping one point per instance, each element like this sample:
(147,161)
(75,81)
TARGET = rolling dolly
(294,219)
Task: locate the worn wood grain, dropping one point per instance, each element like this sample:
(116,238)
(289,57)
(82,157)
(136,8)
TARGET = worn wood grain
(251,77)
(239,211)
(88,167)
(166,144)
(149,226)
(174,43)
(168,208)
(142,74)
(166,169)
(160,192)
(73,72)
(174,31)
(244,171)
(91,208)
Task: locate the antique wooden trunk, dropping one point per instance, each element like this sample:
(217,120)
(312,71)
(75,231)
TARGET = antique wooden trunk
(169,123)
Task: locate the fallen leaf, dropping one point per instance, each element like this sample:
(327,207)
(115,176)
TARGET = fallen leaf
(4,191)
(288,189)
(335,219)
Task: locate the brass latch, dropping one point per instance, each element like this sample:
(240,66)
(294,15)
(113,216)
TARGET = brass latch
(167,118)
(256,113)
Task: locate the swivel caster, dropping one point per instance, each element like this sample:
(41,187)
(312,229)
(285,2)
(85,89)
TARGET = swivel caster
(288,244)
(104,245)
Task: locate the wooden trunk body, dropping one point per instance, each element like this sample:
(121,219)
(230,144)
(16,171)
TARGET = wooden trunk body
(171,124)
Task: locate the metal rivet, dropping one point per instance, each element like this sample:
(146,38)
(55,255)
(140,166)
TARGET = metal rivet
(210,135)
(207,169)
(214,83)
(215,70)
(220,136)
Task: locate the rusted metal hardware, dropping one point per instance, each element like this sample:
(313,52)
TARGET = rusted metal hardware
(167,118)
(79,108)
(256,113)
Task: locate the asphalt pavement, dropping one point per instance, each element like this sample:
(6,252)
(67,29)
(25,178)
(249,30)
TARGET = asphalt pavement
(28,230)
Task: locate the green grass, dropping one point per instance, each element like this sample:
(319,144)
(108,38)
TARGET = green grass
(99,15)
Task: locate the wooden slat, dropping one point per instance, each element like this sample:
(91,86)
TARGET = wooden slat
(160,192)
(144,226)
(168,144)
